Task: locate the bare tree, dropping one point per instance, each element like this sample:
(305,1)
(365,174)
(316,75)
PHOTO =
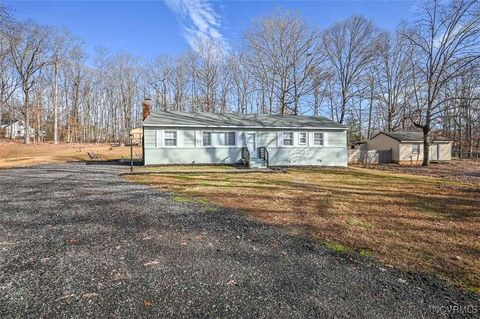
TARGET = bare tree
(159,74)
(351,72)
(350,46)
(392,80)
(179,83)
(29,53)
(445,43)
(59,43)
(210,58)
(284,55)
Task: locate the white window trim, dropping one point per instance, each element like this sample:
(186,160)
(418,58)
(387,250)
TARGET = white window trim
(203,142)
(313,139)
(283,139)
(416,144)
(226,139)
(306,139)
(164,138)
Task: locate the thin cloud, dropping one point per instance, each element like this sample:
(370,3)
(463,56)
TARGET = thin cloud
(199,21)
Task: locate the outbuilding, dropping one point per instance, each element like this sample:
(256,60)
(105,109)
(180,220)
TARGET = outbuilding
(407,147)
(16,129)
(255,139)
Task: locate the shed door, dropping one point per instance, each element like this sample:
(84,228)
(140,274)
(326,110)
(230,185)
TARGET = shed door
(435,152)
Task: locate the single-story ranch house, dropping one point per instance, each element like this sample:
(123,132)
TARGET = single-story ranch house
(226,138)
(407,147)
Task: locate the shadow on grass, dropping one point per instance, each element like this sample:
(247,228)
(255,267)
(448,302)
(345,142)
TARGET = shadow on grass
(408,221)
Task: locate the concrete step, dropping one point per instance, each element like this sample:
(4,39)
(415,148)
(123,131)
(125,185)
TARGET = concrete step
(258,163)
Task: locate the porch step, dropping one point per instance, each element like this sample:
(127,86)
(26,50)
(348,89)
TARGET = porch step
(258,163)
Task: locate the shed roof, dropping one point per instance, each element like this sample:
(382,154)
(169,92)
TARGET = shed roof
(410,136)
(233,120)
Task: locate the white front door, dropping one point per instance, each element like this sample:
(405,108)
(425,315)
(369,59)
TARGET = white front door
(251,142)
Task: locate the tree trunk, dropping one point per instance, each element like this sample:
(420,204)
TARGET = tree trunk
(55,105)
(426,147)
(343,107)
(370,110)
(1,110)
(27,116)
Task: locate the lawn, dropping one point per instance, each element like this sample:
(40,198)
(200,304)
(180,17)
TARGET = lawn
(461,170)
(14,154)
(416,223)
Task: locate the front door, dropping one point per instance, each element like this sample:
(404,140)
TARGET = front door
(252,144)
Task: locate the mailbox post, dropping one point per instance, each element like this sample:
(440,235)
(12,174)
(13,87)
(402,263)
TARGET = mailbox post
(131,152)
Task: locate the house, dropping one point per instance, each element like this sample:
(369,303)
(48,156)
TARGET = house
(407,147)
(16,130)
(259,140)
(137,135)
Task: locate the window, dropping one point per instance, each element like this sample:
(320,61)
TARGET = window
(170,138)
(302,138)
(287,138)
(318,139)
(207,138)
(219,139)
(231,138)
(415,148)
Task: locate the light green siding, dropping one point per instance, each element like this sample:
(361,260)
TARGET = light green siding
(190,149)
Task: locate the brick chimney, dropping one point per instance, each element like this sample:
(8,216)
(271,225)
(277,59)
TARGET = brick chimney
(146,107)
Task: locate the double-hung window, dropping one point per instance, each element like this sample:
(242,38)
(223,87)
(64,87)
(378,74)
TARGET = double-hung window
(219,139)
(231,138)
(317,139)
(415,148)
(170,138)
(287,138)
(207,138)
(302,138)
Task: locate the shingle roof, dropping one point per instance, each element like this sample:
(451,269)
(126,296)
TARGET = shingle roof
(205,119)
(411,136)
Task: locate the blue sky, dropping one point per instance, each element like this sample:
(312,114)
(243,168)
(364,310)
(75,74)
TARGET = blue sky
(150,28)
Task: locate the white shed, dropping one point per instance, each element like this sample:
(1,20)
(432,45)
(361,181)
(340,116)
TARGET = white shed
(407,147)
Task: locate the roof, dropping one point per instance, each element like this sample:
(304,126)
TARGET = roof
(136,130)
(233,120)
(20,122)
(410,136)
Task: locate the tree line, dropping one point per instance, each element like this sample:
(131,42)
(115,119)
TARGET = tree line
(423,76)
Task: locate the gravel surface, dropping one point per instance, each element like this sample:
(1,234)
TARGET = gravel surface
(77,241)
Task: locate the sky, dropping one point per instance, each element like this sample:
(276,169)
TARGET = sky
(151,28)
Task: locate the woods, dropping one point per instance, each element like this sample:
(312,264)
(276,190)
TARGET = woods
(423,76)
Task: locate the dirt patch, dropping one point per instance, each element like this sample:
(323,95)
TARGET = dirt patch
(15,154)
(416,223)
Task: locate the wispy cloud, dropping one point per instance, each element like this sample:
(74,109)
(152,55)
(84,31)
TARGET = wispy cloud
(199,21)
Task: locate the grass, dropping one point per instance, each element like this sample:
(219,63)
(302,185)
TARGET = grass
(337,247)
(15,154)
(416,223)
(183,199)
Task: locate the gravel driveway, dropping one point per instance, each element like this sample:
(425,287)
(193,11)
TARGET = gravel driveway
(77,241)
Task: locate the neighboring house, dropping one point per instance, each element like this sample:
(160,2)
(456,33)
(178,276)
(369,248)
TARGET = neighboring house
(16,130)
(407,147)
(137,135)
(224,138)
